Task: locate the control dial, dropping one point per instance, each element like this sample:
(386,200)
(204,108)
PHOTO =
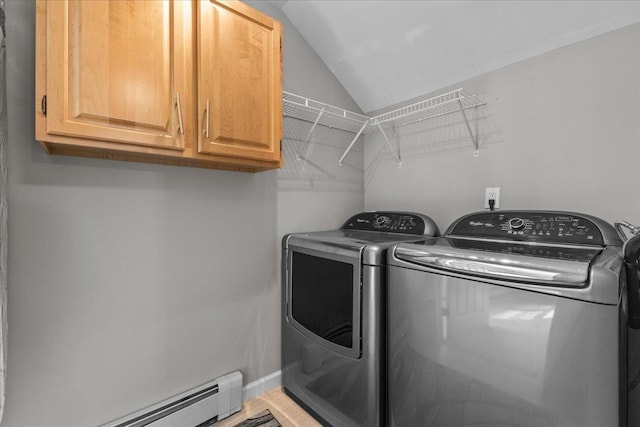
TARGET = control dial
(516,223)
(383,222)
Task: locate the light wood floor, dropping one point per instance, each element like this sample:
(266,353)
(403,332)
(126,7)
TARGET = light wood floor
(286,411)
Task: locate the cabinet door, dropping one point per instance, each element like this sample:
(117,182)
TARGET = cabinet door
(113,73)
(239,81)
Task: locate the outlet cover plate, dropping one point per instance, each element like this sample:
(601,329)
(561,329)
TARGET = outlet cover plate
(492,193)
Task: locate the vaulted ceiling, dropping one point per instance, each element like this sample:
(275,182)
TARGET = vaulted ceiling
(388,51)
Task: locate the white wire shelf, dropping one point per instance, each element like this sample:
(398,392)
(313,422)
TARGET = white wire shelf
(447,103)
(312,111)
(319,113)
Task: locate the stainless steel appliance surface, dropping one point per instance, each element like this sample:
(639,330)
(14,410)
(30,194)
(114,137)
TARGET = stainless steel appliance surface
(333,315)
(512,318)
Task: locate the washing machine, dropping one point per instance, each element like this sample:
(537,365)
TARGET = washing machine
(333,315)
(512,318)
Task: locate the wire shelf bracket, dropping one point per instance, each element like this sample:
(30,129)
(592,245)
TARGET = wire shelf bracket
(474,138)
(396,154)
(364,125)
(313,127)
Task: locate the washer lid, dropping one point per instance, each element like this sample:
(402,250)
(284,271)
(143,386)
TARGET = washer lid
(587,273)
(581,254)
(513,261)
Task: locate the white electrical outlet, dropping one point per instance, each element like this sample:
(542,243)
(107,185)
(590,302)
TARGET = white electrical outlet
(492,193)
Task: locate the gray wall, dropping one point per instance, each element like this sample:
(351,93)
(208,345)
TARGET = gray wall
(129,283)
(559,131)
(314,193)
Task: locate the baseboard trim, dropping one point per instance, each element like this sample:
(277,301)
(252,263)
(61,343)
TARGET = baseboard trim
(261,385)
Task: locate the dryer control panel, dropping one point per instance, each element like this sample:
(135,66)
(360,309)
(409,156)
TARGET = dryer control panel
(536,226)
(392,222)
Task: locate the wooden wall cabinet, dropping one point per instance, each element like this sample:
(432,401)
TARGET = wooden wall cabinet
(191,83)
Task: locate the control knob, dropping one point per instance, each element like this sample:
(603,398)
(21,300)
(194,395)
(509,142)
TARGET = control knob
(516,223)
(382,221)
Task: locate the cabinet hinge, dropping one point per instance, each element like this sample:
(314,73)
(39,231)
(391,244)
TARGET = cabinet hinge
(43,105)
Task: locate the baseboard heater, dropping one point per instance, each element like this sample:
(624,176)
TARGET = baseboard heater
(198,407)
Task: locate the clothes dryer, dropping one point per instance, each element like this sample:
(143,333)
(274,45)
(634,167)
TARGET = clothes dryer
(333,315)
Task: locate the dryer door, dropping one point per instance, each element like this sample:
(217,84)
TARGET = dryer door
(323,298)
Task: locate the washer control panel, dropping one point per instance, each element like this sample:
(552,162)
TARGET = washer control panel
(390,222)
(552,227)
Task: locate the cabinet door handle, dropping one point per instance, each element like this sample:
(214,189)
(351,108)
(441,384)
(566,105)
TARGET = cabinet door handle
(180,123)
(206,120)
